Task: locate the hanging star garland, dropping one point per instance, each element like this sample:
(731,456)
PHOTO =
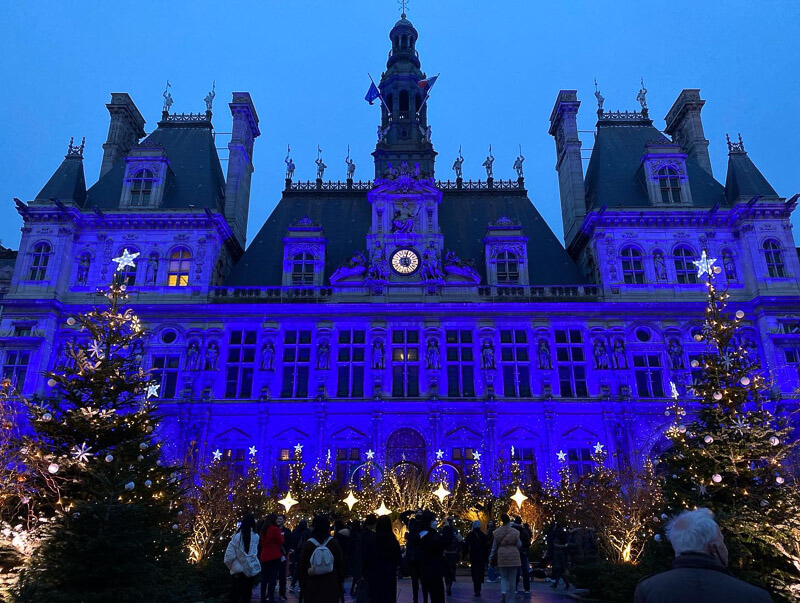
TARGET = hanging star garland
(81,453)
(704,264)
(125,260)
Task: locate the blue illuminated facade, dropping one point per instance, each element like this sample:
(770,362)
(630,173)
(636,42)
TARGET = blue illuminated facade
(408,314)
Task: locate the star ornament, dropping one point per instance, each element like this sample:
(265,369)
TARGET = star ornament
(562,456)
(598,448)
(125,260)
(439,454)
(252,450)
(81,453)
(217,454)
(519,498)
(350,501)
(441,493)
(476,455)
(382,510)
(287,502)
(152,390)
(704,265)
(370,454)
(298,448)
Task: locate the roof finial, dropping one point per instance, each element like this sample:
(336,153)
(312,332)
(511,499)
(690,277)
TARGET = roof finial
(735,147)
(167,98)
(642,97)
(210,96)
(74,150)
(600,98)
(403,4)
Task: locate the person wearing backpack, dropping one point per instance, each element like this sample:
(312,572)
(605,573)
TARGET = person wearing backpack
(241,557)
(270,557)
(452,540)
(321,570)
(381,559)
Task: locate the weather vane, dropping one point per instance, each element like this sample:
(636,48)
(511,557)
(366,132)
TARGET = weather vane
(403,4)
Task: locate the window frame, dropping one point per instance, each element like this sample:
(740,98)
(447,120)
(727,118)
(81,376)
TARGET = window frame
(351,363)
(142,185)
(571,371)
(304,277)
(773,258)
(460,363)
(166,374)
(683,257)
(14,370)
(296,359)
(652,375)
(40,261)
(515,363)
(632,261)
(240,364)
(178,268)
(406,367)
(669,186)
(507,268)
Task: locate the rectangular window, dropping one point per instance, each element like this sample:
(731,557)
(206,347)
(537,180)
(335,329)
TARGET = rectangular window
(240,365)
(347,459)
(579,461)
(350,359)
(571,363)
(285,457)
(165,372)
(460,364)
(405,363)
(235,459)
(25,331)
(16,367)
(649,381)
(464,459)
(515,363)
(526,458)
(296,363)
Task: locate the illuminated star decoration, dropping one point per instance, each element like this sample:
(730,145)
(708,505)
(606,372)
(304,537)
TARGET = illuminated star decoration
(598,448)
(740,425)
(287,502)
(350,500)
(217,454)
(382,510)
(152,390)
(370,454)
(673,390)
(441,493)
(125,260)
(476,455)
(81,453)
(704,265)
(519,498)
(96,350)
(298,448)
(562,456)
(253,450)
(439,454)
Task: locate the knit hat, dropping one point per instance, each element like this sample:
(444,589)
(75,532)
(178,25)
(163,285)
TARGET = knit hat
(476,524)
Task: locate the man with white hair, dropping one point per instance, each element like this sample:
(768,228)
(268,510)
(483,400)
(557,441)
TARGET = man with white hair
(699,571)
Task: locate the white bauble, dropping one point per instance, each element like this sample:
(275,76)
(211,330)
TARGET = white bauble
(109,458)
(70,321)
(143,446)
(774,441)
(708,439)
(716,478)
(53,468)
(739,314)
(657,537)
(47,417)
(148,483)
(52,382)
(745,380)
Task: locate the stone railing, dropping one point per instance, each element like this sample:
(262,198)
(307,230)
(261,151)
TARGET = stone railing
(474,185)
(329,185)
(540,293)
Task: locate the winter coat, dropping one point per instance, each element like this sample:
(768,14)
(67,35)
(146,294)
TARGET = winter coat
(478,546)
(326,588)
(697,576)
(430,557)
(354,555)
(506,546)
(343,538)
(271,544)
(381,559)
(234,560)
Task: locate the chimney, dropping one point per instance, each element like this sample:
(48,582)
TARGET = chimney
(564,128)
(685,127)
(240,164)
(124,131)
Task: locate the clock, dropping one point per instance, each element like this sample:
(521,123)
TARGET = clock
(405,261)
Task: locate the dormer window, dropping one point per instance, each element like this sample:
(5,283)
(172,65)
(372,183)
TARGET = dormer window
(667,181)
(40,260)
(772,254)
(304,254)
(141,188)
(670,185)
(303,269)
(507,268)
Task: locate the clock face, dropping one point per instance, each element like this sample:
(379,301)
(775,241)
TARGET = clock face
(405,261)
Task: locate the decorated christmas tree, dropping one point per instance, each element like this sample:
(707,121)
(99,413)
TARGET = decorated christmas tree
(476,492)
(323,495)
(96,468)
(251,496)
(365,487)
(731,457)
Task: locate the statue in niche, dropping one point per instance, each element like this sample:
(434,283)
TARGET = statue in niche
(600,355)
(543,353)
(404,217)
(432,358)
(730,267)
(518,165)
(619,354)
(487,354)
(212,355)
(323,353)
(151,270)
(377,354)
(137,352)
(268,356)
(675,351)
(660,266)
(458,163)
(192,356)
(83,269)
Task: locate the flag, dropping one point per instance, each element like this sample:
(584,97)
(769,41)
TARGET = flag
(372,93)
(427,84)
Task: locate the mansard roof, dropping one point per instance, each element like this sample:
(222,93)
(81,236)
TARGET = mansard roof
(196,174)
(613,177)
(67,183)
(345,217)
(744,180)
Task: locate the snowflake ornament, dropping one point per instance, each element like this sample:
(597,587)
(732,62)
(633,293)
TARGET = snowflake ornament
(125,260)
(740,425)
(81,453)
(96,350)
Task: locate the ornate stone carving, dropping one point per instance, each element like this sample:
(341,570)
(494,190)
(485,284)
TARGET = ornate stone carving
(432,356)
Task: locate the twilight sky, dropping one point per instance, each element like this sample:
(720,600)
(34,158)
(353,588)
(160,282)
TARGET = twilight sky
(305,62)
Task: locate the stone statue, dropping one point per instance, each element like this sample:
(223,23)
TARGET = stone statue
(544,355)
(428,133)
(432,359)
(209,99)
(379,270)
(600,355)
(320,168)
(83,269)
(167,98)
(431,268)
(642,97)
(377,354)
(192,356)
(403,220)
(600,98)
(289,165)
(212,355)
(487,354)
(268,356)
(730,267)
(151,270)
(323,352)
(675,351)
(619,354)
(137,352)
(351,167)
(488,164)
(458,163)
(660,266)
(518,165)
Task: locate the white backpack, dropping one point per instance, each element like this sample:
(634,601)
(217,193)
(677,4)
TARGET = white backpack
(321,559)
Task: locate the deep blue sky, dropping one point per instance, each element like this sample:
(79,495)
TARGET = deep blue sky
(305,63)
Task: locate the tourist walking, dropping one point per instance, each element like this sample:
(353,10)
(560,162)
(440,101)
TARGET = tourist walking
(321,570)
(354,555)
(477,544)
(286,550)
(342,535)
(431,562)
(414,558)
(300,534)
(493,576)
(381,559)
(241,557)
(560,558)
(525,537)
(699,571)
(452,540)
(271,541)
(505,553)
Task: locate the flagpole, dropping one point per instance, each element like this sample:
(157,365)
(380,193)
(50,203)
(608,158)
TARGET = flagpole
(380,96)
(427,96)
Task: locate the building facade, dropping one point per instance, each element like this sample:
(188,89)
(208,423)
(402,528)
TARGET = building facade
(409,315)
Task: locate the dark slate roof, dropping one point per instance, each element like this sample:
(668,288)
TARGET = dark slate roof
(745,180)
(67,183)
(614,178)
(195,178)
(346,217)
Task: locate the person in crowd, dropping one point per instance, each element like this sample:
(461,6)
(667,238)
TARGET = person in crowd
(286,551)
(316,587)
(300,534)
(494,576)
(525,537)
(431,559)
(560,557)
(271,540)
(477,544)
(241,557)
(342,535)
(413,558)
(452,540)
(381,559)
(505,552)
(699,571)
(354,555)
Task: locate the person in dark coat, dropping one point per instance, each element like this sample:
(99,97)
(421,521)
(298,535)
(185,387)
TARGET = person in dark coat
(477,544)
(381,559)
(342,535)
(300,534)
(431,561)
(414,558)
(699,572)
(354,555)
(560,552)
(452,552)
(287,545)
(325,588)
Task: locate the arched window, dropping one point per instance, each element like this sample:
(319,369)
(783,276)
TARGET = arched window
(670,185)
(632,266)
(403,104)
(40,260)
(141,188)
(684,268)
(728,264)
(303,269)
(178,269)
(772,254)
(507,268)
(128,273)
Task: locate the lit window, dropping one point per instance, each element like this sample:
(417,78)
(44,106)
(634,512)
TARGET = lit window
(303,269)
(772,254)
(460,364)
(285,458)
(240,364)
(296,362)
(670,185)
(632,266)
(507,268)
(40,260)
(165,373)
(685,271)
(515,363)
(351,364)
(571,362)
(405,363)
(178,270)
(649,380)
(141,188)
(16,367)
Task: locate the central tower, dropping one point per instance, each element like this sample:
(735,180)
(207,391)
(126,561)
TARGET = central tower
(404,135)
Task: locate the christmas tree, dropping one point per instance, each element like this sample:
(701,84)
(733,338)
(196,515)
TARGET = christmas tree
(731,457)
(477,493)
(96,468)
(323,496)
(251,497)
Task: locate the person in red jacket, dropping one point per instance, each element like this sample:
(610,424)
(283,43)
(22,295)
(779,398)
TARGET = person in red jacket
(271,541)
